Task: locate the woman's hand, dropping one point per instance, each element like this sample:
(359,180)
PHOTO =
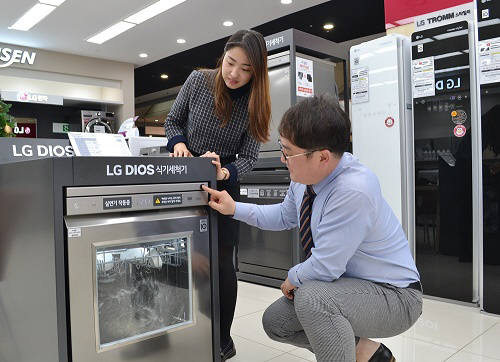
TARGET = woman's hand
(222,174)
(180,150)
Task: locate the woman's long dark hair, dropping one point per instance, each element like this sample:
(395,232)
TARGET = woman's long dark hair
(259,104)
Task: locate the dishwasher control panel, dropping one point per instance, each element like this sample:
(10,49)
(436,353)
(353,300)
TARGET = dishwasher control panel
(85,201)
(264,191)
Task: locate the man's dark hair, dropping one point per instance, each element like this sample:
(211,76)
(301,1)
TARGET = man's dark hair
(317,123)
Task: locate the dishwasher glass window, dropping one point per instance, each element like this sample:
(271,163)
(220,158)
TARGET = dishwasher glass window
(142,289)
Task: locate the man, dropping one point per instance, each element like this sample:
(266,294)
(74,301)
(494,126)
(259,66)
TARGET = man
(359,279)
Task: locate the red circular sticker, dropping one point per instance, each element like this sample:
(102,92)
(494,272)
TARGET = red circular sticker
(459,131)
(389,122)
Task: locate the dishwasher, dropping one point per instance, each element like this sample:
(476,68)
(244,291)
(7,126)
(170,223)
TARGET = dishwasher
(108,259)
(140,242)
(265,256)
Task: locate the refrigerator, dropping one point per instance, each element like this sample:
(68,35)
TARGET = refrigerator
(266,256)
(446,167)
(489,67)
(381,119)
(313,76)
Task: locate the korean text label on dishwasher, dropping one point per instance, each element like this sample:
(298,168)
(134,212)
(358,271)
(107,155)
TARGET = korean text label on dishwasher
(167,199)
(109,203)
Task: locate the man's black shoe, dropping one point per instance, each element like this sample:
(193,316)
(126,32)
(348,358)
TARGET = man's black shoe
(228,351)
(382,354)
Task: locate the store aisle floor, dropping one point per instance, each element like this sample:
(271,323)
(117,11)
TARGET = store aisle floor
(444,332)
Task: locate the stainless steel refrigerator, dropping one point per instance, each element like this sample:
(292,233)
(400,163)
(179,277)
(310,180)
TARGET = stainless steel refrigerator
(284,89)
(266,256)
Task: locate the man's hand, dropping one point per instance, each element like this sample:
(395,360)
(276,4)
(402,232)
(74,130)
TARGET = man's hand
(288,288)
(220,201)
(180,150)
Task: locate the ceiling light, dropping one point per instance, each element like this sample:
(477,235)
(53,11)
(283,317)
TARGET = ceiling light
(227,23)
(143,55)
(328,26)
(164,76)
(153,10)
(111,32)
(32,17)
(181,41)
(156,120)
(286,2)
(52,2)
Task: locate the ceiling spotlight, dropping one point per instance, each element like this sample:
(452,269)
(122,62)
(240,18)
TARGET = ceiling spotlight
(143,55)
(328,26)
(181,41)
(286,2)
(164,76)
(228,23)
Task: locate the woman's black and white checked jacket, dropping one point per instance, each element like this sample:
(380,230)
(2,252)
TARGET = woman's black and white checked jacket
(192,120)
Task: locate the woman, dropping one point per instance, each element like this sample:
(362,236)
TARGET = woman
(222,113)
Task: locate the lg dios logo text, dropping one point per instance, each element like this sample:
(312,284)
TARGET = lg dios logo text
(130,170)
(42,151)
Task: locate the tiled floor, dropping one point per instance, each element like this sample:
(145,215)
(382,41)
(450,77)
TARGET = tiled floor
(444,332)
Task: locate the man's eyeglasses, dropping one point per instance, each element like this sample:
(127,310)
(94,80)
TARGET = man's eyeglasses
(297,155)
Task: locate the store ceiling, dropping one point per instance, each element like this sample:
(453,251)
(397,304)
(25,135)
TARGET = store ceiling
(198,21)
(353,19)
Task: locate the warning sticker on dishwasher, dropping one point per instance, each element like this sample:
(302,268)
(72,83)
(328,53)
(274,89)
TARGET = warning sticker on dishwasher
(167,199)
(74,232)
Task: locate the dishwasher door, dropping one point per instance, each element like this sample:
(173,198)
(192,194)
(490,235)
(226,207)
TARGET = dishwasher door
(139,286)
(266,256)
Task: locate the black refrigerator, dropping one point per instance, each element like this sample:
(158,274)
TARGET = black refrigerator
(489,43)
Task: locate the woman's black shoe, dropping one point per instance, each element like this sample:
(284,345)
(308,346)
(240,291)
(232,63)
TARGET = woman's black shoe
(228,352)
(382,354)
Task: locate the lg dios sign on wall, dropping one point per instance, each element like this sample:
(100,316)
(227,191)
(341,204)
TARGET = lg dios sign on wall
(42,151)
(9,56)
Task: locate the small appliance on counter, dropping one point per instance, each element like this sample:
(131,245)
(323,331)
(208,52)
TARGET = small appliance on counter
(98,122)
